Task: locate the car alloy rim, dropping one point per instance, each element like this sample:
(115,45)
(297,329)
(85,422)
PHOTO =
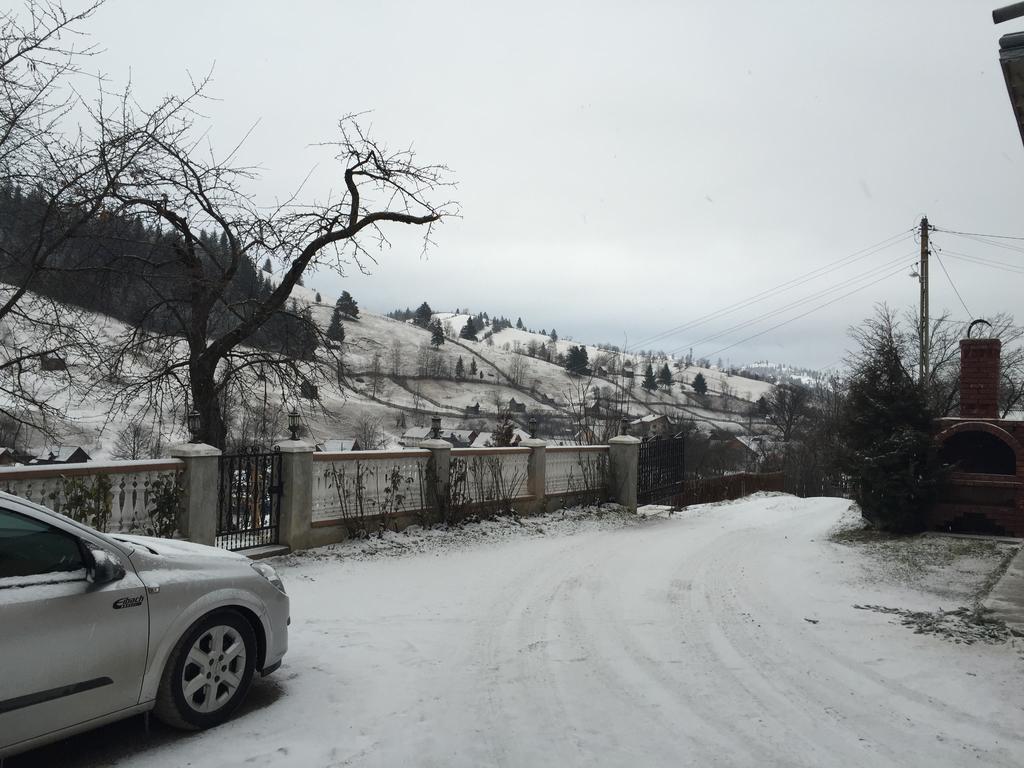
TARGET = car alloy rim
(213,669)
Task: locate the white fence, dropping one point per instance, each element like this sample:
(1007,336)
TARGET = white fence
(575,469)
(357,484)
(114,497)
(492,474)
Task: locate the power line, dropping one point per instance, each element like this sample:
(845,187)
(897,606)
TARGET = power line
(977,234)
(951,283)
(986,262)
(808,312)
(781,287)
(846,283)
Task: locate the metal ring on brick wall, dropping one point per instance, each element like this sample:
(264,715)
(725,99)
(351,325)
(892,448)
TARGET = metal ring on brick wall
(976,322)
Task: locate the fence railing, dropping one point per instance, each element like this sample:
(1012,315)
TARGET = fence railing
(352,485)
(575,469)
(142,497)
(490,476)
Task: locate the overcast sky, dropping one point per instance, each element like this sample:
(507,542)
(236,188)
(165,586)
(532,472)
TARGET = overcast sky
(627,167)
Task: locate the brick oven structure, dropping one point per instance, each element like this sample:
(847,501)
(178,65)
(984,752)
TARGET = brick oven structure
(984,492)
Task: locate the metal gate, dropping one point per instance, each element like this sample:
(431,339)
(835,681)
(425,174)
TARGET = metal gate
(660,474)
(249,499)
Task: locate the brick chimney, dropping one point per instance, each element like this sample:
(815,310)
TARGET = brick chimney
(979,378)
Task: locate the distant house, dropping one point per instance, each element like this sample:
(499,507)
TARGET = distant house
(7,457)
(627,373)
(62,454)
(339,444)
(516,407)
(473,410)
(460,438)
(754,452)
(413,436)
(651,425)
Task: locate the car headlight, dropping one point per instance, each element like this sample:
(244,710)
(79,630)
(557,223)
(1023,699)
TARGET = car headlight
(269,574)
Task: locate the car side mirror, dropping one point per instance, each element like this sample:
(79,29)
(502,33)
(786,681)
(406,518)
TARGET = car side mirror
(105,567)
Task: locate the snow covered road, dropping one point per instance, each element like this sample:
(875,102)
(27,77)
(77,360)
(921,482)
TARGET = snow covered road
(723,636)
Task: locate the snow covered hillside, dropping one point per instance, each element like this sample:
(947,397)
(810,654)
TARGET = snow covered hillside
(393,379)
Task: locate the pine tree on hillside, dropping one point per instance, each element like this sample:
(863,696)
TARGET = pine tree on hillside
(472,367)
(301,281)
(348,305)
(469,330)
(554,335)
(423,315)
(436,334)
(577,360)
(267,266)
(336,330)
(519,323)
(319,298)
(650,383)
(665,378)
(700,386)
(460,369)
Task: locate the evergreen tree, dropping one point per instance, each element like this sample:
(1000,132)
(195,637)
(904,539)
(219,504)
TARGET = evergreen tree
(469,330)
(267,266)
(319,298)
(577,360)
(761,406)
(472,367)
(504,431)
(700,386)
(650,383)
(885,432)
(460,370)
(519,323)
(436,334)
(336,329)
(554,335)
(665,378)
(423,315)
(348,305)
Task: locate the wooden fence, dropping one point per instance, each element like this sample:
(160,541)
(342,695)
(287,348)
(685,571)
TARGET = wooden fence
(704,490)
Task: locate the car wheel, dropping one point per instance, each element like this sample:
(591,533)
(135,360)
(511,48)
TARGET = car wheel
(208,673)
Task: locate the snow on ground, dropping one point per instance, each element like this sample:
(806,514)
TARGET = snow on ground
(721,636)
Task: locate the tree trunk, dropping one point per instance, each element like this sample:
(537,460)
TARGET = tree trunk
(212,429)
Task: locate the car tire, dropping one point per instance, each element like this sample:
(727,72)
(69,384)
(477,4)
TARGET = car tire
(208,673)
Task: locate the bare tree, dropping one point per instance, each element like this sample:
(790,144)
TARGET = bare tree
(396,357)
(215,230)
(369,432)
(134,441)
(517,370)
(789,406)
(67,173)
(376,375)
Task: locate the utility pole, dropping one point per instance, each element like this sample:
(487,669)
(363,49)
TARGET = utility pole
(922,272)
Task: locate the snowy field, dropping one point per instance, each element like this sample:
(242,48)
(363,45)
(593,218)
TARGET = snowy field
(725,635)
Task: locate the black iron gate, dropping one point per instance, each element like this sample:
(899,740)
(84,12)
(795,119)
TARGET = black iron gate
(249,499)
(660,474)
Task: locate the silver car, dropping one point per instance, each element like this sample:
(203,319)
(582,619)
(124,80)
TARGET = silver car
(96,627)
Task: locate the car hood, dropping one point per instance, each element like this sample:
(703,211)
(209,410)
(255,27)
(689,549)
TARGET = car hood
(177,548)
